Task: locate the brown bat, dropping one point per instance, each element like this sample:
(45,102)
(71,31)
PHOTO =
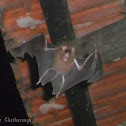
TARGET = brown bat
(64,58)
(59,65)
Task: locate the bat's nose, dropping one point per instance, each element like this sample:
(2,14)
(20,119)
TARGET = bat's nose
(67,55)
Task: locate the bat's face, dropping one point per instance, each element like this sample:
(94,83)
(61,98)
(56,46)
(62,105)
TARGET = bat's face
(67,54)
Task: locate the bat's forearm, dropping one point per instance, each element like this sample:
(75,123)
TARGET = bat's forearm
(46,48)
(80,67)
(77,65)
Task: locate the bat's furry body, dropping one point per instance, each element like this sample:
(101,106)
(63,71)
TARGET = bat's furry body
(59,64)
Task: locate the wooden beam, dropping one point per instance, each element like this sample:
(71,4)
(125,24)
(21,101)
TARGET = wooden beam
(110,41)
(86,17)
(58,20)
(60,28)
(81,5)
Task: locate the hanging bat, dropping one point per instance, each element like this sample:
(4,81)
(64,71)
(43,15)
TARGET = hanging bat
(59,65)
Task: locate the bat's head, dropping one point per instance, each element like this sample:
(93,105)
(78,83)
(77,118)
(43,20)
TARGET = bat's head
(67,53)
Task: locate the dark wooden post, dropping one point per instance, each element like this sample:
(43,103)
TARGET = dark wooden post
(58,20)
(60,29)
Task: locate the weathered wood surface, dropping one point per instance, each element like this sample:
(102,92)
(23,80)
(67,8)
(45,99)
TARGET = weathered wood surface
(110,41)
(93,19)
(60,29)
(109,103)
(81,5)
(86,17)
(108,95)
(122,124)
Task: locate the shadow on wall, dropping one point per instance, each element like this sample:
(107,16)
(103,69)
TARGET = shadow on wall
(34,75)
(11,104)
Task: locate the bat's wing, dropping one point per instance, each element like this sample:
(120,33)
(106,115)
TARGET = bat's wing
(58,83)
(90,69)
(29,46)
(96,69)
(49,75)
(42,50)
(45,59)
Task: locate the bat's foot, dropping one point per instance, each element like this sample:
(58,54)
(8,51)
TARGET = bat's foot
(38,83)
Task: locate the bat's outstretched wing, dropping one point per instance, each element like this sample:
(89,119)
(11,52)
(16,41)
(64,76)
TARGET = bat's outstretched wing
(93,66)
(96,69)
(90,69)
(49,75)
(41,49)
(29,46)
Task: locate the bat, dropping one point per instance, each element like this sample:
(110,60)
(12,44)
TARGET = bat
(59,64)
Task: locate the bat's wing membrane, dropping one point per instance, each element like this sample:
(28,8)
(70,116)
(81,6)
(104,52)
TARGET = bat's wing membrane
(45,59)
(28,46)
(44,53)
(48,46)
(49,75)
(57,83)
(96,69)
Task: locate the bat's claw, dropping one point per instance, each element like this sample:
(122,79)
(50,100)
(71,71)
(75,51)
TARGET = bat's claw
(38,83)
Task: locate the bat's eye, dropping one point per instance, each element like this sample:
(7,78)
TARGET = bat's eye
(67,51)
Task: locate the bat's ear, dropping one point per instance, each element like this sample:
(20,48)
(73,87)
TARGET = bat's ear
(64,48)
